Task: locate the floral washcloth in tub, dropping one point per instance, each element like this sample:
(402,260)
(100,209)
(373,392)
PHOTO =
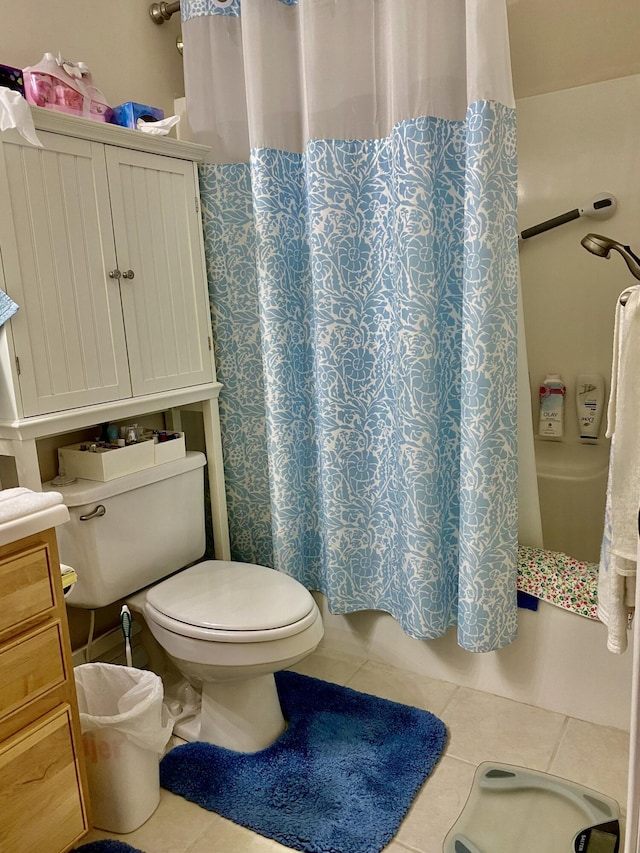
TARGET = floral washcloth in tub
(558,579)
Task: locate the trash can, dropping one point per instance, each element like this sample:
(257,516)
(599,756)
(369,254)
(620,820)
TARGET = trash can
(125,729)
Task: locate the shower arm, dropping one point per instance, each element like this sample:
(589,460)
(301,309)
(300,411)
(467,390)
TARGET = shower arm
(161,12)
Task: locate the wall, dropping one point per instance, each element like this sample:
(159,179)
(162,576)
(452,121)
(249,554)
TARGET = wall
(130,57)
(554,45)
(573,145)
(559,44)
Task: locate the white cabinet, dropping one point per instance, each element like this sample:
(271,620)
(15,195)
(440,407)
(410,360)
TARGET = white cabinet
(157,228)
(101,247)
(102,253)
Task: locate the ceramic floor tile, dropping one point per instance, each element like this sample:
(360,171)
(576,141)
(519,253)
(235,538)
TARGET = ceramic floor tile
(595,756)
(174,826)
(437,806)
(484,727)
(481,727)
(401,686)
(224,836)
(396,847)
(329,666)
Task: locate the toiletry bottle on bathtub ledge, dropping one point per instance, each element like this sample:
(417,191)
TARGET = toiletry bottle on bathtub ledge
(589,405)
(552,392)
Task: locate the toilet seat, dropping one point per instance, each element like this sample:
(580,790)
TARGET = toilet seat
(223,601)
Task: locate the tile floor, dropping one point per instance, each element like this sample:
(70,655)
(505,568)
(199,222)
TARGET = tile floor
(482,727)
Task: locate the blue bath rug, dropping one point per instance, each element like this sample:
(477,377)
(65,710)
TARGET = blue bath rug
(340,779)
(106,846)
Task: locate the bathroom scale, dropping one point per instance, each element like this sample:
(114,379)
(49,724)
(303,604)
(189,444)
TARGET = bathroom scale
(517,810)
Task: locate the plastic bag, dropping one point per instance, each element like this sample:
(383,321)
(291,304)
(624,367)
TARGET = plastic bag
(59,84)
(126,700)
(15,112)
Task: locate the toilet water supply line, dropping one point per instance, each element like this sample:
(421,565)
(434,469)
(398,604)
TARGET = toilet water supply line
(125,623)
(92,628)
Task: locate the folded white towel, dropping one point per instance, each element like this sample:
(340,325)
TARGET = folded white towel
(618,566)
(16,503)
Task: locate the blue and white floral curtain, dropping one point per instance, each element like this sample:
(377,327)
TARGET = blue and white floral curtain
(361,240)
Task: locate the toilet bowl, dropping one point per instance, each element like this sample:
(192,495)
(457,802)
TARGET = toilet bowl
(227,628)
(216,631)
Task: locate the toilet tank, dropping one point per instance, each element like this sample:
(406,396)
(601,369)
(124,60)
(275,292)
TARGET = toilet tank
(129,532)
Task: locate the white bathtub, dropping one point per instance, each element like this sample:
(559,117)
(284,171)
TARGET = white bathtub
(572,482)
(560,660)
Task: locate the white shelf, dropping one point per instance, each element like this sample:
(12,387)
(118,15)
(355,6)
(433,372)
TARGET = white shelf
(113,134)
(41,426)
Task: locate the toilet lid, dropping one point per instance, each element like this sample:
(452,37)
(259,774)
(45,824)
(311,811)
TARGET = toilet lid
(229,596)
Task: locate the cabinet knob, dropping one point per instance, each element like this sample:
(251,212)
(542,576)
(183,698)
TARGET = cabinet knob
(128,274)
(114,274)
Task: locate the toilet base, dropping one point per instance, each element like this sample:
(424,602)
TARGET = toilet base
(243,715)
(188,729)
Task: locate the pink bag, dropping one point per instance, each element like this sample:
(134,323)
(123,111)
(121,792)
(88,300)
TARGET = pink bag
(58,84)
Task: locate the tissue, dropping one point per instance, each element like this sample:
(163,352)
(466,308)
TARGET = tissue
(15,113)
(160,128)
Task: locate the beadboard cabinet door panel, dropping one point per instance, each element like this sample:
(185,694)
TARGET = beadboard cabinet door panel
(157,227)
(69,335)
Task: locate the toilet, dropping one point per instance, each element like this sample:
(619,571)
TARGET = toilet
(216,631)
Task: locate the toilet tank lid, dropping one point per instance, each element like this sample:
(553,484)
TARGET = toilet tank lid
(87,491)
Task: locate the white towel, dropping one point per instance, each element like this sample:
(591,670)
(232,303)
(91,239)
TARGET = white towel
(616,589)
(16,503)
(616,579)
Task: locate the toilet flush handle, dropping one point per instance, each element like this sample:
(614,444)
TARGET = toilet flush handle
(98,512)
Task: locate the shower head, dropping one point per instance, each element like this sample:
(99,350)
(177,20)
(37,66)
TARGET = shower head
(602,246)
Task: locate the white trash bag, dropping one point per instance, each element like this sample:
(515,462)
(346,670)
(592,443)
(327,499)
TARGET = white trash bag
(125,729)
(123,699)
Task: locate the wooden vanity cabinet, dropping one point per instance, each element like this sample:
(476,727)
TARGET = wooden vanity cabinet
(43,791)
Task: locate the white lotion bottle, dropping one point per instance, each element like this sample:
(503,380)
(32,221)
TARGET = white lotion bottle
(589,404)
(552,391)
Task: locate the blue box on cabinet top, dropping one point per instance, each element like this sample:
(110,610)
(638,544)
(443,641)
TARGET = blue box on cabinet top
(127,115)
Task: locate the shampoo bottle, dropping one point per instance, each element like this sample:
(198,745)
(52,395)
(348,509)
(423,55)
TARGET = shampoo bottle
(552,393)
(589,405)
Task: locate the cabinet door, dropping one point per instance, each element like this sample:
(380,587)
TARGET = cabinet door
(41,800)
(156,221)
(57,248)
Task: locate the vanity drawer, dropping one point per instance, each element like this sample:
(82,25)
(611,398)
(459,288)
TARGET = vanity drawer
(26,588)
(40,802)
(31,665)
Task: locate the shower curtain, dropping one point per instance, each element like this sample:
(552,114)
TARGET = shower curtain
(359,208)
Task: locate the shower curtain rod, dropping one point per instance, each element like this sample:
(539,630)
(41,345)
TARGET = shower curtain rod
(161,12)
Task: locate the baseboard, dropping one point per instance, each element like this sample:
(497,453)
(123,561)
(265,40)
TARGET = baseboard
(110,648)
